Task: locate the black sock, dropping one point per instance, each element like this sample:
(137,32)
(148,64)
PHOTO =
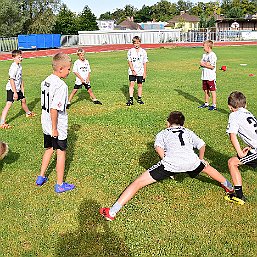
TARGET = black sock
(139,97)
(239,191)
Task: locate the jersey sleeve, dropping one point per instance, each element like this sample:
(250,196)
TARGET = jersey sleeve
(196,141)
(75,67)
(59,98)
(145,58)
(129,55)
(213,59)
(159,141)
(89,68)
(233,125)
(13,71)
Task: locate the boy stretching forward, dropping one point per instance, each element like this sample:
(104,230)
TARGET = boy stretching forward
(81,69)
(15,89)
(54,119)
(175,147)
(242,123)
(137,59)
(208,64)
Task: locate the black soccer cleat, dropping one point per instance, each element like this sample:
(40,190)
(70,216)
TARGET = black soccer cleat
(97,102)
(129,102)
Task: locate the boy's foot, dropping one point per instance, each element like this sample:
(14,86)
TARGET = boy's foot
(129,102)
(105,213)
(63,188)
(97,102)
(203,106)
(41,180)
(228,190)
(30,115)
(68,105)
(234,199)
(212,108)
(140,101)
(5,126)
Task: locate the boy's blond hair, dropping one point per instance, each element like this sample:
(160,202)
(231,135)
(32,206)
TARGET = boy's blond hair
(237,99)
(80,51)
(208,43)
(16,52)
(60,59)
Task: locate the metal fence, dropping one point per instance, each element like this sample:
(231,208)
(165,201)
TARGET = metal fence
(8,44)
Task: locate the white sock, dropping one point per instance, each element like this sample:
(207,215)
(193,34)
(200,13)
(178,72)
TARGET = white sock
(114,209)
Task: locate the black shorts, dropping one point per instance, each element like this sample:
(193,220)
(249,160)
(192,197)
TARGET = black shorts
(250,159)
(50,142)
(87,86)
(159,173)
(10,96)
(138,79)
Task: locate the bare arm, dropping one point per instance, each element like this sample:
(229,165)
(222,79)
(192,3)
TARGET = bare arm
(241,153)
(15,95)
(206,65)
(160,151)
(54,116)
(201,152)
(22,87)
(132,68)
(78,75)
(144,76)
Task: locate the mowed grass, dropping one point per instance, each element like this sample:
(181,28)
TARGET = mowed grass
(109,146)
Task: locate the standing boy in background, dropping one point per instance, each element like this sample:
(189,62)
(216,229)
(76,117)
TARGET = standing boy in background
(137,59)
(15,89)
(81,69)
(242,123)
(54,119)
(208,64)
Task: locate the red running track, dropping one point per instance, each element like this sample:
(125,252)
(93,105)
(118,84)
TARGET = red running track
(107,48)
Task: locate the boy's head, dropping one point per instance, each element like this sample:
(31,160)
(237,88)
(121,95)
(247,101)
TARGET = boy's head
(136,40)
(81,54)
(176,118)
(207,45)
(236,100)
(17,56)
(61,65)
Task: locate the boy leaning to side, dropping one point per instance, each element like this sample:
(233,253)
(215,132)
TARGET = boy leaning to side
(175,147)
(208,64)
(242,123)
(15,89)
(54,119)
(81,69)
(137,59)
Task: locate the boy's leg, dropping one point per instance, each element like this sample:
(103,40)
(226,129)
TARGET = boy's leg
(60,165)
(131,92)
(5,111)
(74,91)
(140,90)
(92,96)
(24,106)
(142,181)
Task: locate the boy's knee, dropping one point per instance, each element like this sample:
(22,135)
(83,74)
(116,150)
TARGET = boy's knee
(233,161)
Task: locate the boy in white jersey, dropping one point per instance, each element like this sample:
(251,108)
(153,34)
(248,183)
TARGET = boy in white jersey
(15,89)
(54,119)
(81,69)
(242,123)
(175,147)
(137,59)
(208,64)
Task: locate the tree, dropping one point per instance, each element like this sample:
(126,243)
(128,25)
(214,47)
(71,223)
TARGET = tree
(106,16)
(144,14)
(235,12)
(11,19)
(163,10)
(66,22)
(86,20)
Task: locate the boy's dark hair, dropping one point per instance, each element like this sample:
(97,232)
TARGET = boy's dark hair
(16,52)
(136,38)
(237,99)
(176,118)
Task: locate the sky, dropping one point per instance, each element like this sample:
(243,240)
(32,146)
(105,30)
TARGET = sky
(101,6)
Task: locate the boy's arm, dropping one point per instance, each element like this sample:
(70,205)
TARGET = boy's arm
(88,78)
(22,87)
(201,152)
(15,95)
(206,65)
(78,75)
(241,153)
(144,75)
(132,68)
(54,116)
(160,151)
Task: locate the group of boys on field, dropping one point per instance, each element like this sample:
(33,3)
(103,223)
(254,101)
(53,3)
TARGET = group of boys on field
(175,145)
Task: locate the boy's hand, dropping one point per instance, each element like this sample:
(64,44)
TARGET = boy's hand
(244,152)
(134,72)
(55,133)
(15,96)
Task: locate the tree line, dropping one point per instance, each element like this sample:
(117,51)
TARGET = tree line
(52,16)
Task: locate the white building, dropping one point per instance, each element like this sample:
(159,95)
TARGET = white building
(105,24)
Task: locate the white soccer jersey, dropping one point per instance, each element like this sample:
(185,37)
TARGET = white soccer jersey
(15,73)
(209,74)
(138,59)
(83,68)
(178,144)
(54,95)
(244,124)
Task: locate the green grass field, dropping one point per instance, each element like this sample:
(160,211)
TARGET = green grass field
(109,146)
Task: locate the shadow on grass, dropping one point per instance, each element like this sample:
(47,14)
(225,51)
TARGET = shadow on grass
(72,138)
(93,236)
(9,158)
(125,90)
(30,105)
(198,101)
(82,94)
